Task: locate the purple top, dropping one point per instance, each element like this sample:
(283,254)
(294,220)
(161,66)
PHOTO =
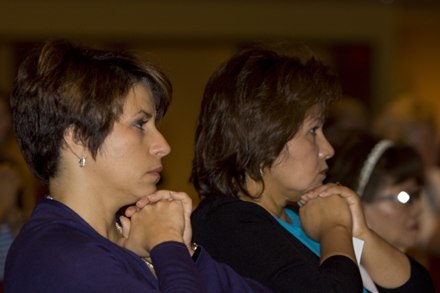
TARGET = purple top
(57,251)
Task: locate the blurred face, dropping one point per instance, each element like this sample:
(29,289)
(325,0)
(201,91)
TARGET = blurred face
(10,184)
(5,121)
(302,164)
(393,219)
(129,162)
(425,139)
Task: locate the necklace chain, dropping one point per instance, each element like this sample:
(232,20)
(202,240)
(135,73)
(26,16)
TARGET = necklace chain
(147,260)
(118,227)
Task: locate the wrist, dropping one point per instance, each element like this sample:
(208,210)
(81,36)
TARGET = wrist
(337,241)
(161,238)
(336,231)
(363,234)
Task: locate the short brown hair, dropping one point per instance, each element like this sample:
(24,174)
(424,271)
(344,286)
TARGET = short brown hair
(252,106)
(61,85)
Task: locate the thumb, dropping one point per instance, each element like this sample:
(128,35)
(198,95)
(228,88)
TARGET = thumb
(126,224)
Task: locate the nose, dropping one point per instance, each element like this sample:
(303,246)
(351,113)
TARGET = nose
(326,150)
(160,147)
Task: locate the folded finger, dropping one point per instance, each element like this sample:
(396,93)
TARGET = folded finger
(130,211)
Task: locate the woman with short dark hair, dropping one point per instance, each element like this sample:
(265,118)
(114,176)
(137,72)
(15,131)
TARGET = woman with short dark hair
(86,121)
(259,147)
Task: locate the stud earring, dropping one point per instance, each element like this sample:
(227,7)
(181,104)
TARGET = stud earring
(82,162)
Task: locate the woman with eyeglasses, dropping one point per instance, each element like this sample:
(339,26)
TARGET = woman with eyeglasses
(388,177)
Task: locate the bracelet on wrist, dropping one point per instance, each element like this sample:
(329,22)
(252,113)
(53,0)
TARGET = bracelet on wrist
(195,250)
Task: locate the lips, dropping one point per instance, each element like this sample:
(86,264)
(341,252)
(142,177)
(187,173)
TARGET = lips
(156,172)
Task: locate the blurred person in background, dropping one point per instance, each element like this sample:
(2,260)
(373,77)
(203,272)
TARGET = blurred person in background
(17,184)
(10,151)
(389,179)
(409,120)
(344,114)
(11,214)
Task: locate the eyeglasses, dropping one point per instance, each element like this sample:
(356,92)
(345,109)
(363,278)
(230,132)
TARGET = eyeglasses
(403,197)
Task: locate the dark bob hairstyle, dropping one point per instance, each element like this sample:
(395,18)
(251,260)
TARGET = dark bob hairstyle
(397,163)
(252,106)
(61,85)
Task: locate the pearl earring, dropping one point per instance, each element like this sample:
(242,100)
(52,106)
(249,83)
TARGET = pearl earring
(82,162)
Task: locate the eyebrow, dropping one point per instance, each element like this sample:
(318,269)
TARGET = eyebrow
(315,118)
(146,114)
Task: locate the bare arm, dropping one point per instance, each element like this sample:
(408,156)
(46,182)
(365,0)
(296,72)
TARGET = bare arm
(328,221)
(387,265)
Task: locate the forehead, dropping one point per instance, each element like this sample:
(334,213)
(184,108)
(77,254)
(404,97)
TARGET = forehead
(315,113)
(139,98)
(410,183)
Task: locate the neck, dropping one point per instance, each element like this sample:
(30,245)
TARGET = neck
(94,209)
(270,205)
(266,199)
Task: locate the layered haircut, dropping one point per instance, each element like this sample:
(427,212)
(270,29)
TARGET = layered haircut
(397,164)
(252,106)
(60,85)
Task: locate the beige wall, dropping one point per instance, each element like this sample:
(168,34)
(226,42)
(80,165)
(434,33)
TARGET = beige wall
(188,39)
(188,68)
(417,66)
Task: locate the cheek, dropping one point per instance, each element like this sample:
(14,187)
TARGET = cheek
(118,151)
(303,157)
(387,210)
(391,215)
(377,214)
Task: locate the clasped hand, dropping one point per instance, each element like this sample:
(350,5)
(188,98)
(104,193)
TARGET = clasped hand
(156,218)
(332,204)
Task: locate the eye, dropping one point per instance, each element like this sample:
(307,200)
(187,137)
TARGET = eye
(413,196)
(403,197)
(314,130)
(140,123)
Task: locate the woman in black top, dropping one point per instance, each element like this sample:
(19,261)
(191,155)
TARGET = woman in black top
(260,147)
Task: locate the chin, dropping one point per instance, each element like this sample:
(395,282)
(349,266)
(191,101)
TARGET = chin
(411,244)
(144,191)
(408,244)
(313,186)
(148,191)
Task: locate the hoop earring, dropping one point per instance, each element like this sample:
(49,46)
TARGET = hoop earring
(82,162)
